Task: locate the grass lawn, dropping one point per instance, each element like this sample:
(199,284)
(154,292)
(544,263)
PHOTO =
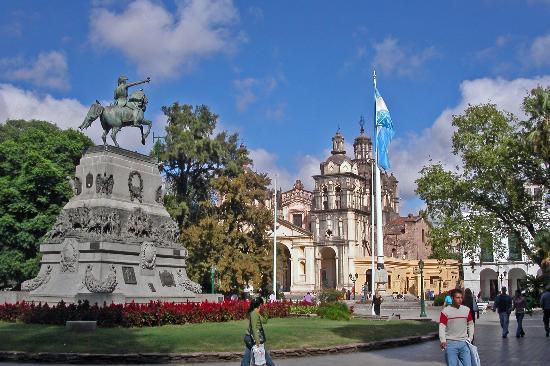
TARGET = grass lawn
(206,337)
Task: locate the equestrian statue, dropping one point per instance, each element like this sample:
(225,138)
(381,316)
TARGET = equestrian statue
(124,112)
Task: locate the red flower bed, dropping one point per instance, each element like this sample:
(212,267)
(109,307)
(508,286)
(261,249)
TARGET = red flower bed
(137,315)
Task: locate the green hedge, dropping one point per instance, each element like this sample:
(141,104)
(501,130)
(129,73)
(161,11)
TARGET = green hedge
(334,311)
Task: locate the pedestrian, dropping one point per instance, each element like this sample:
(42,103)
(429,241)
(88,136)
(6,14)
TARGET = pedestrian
(348,295)
(376,302)
(503,304)
(545,305)
(272,297)
(456,329)
(519,305)
(255,335)
(469,301)
(308,298)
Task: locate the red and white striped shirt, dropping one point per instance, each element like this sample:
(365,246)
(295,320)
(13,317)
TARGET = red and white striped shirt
(456,324)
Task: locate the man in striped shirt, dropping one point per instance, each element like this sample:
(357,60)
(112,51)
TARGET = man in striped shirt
(456,328)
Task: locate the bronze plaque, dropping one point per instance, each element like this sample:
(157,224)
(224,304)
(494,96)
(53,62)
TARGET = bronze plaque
(129,275)
(89,180)
(167,279)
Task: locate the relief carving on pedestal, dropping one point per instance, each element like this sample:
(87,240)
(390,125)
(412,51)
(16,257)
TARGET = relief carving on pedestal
(159,195)
(97,224)
(186,283)
(138,225)
(136,190)
(38,281)
(148,255)
(104,184)
(108,285)
(69,256)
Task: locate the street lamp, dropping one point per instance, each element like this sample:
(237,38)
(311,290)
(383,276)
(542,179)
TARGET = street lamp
(422,301)
(353,279)
(213,277)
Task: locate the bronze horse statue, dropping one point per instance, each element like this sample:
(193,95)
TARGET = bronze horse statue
(115,117)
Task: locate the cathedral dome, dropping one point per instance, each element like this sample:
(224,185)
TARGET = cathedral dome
(338,161)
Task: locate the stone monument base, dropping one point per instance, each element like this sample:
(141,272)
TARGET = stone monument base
(114,241)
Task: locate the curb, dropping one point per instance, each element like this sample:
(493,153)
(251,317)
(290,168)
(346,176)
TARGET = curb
(199,357)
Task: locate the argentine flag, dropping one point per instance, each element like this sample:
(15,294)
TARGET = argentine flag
(384,131)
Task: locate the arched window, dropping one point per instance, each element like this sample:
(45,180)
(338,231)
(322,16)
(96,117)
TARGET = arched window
(325,198)
(338,197)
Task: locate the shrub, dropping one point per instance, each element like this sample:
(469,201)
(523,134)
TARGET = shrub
(329,295)
(304,309)
(334,311)
(136,315)
(439,300)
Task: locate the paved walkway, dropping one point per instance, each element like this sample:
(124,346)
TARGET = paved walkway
(494,350)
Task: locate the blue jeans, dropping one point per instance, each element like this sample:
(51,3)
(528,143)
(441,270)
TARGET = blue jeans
(458,351)
(519,318)
(247,357)
(504,321)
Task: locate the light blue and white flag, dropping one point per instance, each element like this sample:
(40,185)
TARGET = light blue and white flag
(384,131)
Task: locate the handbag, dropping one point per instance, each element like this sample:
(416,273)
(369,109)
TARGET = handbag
(259,355)
(474,354)
(249,340)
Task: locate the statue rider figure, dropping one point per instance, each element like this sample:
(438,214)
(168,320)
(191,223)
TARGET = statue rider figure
(121,92)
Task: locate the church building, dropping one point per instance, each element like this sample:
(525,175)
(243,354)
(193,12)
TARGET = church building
(324,236)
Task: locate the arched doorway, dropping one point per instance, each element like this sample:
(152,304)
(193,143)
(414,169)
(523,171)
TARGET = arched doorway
(284,268)
(368,282)
(515,276)
(328,268)
(488,284)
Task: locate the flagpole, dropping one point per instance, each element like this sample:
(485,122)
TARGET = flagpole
(275,242)
(379,223)
(372,269)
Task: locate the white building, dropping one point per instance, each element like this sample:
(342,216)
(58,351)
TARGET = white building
(492,268)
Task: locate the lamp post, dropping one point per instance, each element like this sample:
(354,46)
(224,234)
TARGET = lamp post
(213,278)
(422,301)
(353,279)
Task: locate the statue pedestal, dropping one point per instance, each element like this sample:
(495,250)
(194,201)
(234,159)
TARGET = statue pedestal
(114,241)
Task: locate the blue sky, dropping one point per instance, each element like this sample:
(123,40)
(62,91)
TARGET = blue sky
(283,74)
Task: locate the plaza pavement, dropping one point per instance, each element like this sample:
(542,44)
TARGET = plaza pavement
(533,350)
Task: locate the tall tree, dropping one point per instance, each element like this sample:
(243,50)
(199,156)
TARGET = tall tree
(233,238)
(488,195)
(35,159)
(192,155)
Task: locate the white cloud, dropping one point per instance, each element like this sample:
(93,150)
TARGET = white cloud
(17,103)
(245,93)
(391,57)
(277,112)
(163,43)
(250,89)
(540,51)
(49,70)
(267,162)
(410,153)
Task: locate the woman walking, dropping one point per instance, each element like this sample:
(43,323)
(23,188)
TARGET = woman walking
(519,305)
(377,301)
(255,335)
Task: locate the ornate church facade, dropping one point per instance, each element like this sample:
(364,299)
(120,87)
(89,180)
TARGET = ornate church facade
(323,235)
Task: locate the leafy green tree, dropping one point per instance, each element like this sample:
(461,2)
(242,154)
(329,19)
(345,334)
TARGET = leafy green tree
(192,155)
(490,186)
(233,237)
(35,159)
